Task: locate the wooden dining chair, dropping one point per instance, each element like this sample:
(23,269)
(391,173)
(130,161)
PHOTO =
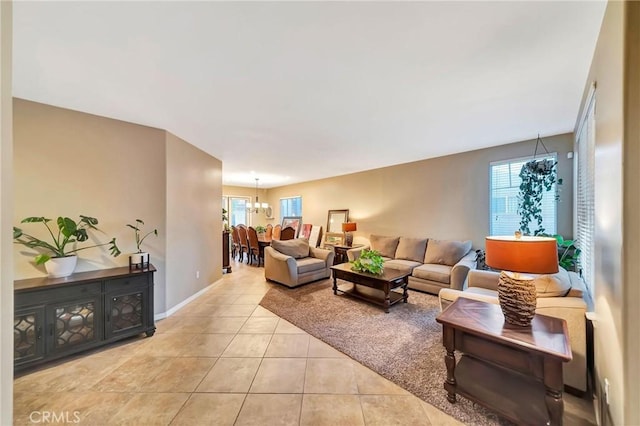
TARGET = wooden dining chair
(276,232)
(235,238)
(288,233)
(269,232)
(244,243)
(254,247)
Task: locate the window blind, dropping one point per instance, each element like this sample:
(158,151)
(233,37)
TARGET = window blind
(585,205)
(291,206)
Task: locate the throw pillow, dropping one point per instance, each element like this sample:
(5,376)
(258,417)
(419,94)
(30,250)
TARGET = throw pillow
(446,252)
(553,285)
(296,248)
(411,249)
(386,246)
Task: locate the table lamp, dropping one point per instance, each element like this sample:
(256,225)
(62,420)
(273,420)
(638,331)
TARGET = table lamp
(348,228)
(515,255)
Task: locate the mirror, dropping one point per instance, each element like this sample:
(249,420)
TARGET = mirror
(335,219)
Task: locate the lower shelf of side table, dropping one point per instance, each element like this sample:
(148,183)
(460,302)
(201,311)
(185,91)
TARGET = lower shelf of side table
(517,397)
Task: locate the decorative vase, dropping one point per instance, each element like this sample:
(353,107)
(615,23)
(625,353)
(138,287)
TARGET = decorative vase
(517,298)
(59,267)
(139,260)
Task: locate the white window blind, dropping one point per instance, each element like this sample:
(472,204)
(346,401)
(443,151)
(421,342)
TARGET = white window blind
(291,206)
(585,208)
(504,186)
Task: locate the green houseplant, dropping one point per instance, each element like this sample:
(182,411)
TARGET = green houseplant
(140,257)
(63,246)
(369,261)
(537,177)
(260,229)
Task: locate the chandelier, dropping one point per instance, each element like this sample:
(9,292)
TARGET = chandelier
(257,207)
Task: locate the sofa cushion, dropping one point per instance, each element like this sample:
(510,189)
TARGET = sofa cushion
(433,272)
(296,248)
(309,264)
(411,249)
(386,246)
(553,285)
(403,265)
(446,252)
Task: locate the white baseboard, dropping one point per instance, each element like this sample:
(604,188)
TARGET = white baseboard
(185,302)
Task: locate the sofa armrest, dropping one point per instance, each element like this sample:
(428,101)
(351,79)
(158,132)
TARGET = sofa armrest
(280,267)
(324,254)
(354,253)
(461,269)
(483,279)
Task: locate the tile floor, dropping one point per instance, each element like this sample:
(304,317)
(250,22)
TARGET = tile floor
(224,360)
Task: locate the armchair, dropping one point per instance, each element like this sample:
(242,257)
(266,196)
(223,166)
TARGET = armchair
(294,262)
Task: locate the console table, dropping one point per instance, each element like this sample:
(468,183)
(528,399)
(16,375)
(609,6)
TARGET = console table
(56,317)
(514,371)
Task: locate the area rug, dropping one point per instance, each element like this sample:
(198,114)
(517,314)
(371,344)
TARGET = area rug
(405,345)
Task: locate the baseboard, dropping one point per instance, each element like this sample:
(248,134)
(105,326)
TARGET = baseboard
(185,302)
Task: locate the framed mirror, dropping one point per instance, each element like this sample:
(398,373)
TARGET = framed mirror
(335,219)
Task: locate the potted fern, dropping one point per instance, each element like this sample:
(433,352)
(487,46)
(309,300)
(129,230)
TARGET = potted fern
(59,255)
(140,259)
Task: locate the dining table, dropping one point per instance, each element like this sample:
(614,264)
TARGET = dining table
(263,241)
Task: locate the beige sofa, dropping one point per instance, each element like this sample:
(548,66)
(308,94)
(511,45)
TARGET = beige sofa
(434,264)
(560,295)
(294,262)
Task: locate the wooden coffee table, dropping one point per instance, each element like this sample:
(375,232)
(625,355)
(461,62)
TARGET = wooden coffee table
(515,371)
(390,279)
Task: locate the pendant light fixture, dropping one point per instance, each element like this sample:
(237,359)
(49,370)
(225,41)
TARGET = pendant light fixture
(257,207)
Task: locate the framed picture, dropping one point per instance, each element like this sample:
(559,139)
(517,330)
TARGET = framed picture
(293,221)
(334,239)
(305,230)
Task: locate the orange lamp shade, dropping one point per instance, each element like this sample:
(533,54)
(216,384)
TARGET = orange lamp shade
(349,227)
(533,255)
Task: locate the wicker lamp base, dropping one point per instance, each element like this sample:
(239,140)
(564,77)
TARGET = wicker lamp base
(517,298)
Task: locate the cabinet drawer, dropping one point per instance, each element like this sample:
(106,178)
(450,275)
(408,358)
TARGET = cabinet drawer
(43,294)
(124,283)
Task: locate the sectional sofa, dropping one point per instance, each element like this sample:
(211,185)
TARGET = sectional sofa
(434,264)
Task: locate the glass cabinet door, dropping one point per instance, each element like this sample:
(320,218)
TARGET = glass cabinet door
(125,312)
(28,339)
(74,324)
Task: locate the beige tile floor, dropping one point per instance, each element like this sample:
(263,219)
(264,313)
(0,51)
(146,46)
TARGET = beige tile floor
(223,360)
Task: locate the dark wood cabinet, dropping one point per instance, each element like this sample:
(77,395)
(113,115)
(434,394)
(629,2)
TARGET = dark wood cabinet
(226,265)
(55,317)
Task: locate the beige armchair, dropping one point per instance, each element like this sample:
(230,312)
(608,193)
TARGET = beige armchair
(568,300)
(294,262)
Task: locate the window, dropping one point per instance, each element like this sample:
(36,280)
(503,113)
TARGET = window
(584,207)
(291,206)
(504,186)
(237,210)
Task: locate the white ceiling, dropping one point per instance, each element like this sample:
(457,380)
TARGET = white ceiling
(296,91)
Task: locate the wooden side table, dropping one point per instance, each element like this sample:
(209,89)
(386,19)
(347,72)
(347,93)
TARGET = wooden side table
(341,253)
(514,371)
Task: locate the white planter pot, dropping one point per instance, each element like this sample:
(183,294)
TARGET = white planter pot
(139,260)
(58,267)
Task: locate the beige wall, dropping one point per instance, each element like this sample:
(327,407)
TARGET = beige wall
(6,217)
(445,197)
(194,215)
(70,163)
(611,287)
(631,177)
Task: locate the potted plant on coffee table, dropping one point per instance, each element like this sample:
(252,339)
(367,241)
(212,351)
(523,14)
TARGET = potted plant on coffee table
(58,257)
(140,259)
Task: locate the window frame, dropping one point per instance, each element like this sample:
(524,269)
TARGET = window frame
(288,212)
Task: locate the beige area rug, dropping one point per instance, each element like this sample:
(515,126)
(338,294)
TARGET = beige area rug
(405,345)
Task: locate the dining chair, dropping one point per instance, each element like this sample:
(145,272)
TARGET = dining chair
(235,238)
(254,247)
(276,232)
(269,232)
(288,233)
(244,243)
